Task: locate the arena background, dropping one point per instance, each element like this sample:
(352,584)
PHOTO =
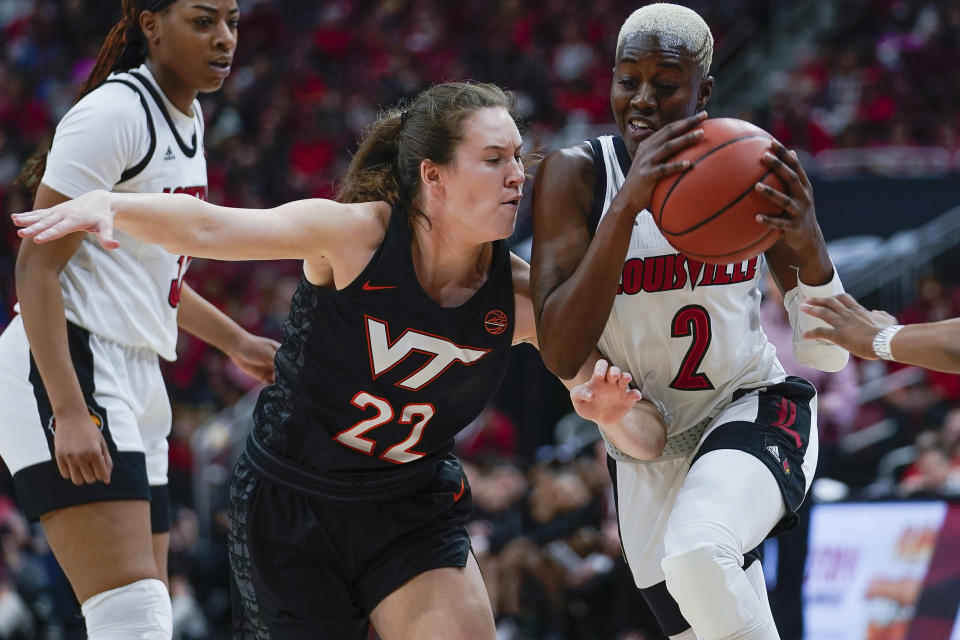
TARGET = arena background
(865,90)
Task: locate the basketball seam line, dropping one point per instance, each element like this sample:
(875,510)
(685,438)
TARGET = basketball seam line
(663,207)
(710,258)
(720,212)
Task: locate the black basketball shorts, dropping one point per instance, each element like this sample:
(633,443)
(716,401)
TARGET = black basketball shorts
(310,567)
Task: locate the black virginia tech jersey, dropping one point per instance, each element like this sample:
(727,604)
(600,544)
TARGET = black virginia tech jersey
(377,377)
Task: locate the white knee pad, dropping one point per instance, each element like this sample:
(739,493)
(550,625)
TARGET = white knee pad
(137,611)
(703,574)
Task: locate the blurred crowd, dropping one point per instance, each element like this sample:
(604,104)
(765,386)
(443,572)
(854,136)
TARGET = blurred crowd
(876,80)
(308,77)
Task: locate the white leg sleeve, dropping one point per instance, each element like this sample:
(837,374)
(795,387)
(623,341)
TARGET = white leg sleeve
(758,581)
(686,635)
(137,611)
(728,503)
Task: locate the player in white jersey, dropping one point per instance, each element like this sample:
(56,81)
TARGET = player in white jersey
(741,450)
(86,408)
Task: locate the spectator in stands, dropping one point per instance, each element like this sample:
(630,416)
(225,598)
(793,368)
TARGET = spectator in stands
(950,432)
(933,476)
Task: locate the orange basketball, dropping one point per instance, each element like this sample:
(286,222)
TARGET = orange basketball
(707,211)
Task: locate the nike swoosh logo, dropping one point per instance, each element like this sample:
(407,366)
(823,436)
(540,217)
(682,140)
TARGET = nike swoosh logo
(459,494)
(369,287)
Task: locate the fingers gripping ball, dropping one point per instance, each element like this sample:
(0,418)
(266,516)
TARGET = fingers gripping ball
(708,211)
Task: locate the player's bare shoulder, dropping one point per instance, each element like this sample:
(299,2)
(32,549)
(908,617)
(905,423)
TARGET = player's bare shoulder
(369,221)
(351,234)
(565,176)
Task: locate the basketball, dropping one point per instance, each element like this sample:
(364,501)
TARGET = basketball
(707,212)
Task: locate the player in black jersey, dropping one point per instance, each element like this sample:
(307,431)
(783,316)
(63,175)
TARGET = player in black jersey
(347,504)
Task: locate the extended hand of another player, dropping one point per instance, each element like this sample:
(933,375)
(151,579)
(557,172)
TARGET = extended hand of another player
(851,325)
(631,423)
(606,397)
(90,212)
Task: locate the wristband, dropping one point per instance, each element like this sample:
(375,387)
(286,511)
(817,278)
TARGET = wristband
(881,341)
(826,290)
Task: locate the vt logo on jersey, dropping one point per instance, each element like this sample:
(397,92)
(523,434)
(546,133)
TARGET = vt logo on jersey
(384,354)
(672,271)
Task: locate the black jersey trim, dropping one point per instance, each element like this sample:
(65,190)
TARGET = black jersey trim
(140,166)
(623,156)
(163,109)
(82,358)
(599,187)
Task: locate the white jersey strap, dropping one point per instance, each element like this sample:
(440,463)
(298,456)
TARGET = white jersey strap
(140,166)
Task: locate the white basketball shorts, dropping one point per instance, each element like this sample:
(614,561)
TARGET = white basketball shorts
(126,398)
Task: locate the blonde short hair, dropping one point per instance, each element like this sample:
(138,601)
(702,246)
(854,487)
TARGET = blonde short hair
(680,24)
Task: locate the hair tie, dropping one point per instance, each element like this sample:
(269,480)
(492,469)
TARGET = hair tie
(403,116)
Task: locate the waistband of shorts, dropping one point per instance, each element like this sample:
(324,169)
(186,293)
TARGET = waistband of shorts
(362,487)
(140,352)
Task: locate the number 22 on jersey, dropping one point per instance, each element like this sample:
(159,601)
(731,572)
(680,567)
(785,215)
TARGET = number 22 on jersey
(385,354)
(398,453)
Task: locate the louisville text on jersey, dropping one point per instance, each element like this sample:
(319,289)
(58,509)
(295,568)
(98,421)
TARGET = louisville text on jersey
(674,271)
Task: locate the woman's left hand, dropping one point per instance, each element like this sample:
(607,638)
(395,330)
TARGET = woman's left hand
(254,355)
(798,220)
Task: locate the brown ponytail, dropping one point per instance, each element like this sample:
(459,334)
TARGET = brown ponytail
(387,163)
(124,48)
(373,173)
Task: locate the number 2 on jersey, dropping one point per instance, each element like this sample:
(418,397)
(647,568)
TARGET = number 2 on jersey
(692,320)
(399,453)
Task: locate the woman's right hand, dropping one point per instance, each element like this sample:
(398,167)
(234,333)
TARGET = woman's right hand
(90,212)
(650,160)
(606,397)
(81,451)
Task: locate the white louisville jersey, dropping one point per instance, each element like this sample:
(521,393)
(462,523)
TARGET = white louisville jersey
(125,136)
(688,332)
